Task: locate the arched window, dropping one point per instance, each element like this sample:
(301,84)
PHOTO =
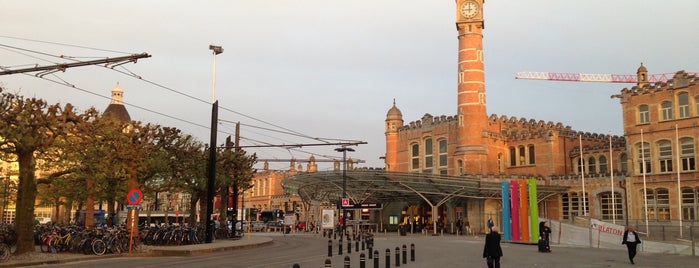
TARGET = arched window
(611,209)
(666,110)
(565,203)
(428,153)
(665,155)
(580,164)
(522,155)
(532,155)
(460,166)
(643,153)
(513,157)
(687,154)
(643,114)
(415,153)
(689,203)
(592,165)
(603,165)
(683,105)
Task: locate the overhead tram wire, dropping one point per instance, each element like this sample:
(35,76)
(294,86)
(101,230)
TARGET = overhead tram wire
(65,83)
(63,44)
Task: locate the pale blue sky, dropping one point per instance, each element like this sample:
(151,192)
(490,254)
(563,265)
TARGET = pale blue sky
(331,69)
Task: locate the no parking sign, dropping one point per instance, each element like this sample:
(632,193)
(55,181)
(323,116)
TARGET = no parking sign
(134,197)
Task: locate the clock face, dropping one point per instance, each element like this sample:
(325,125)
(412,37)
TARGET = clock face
(469,9)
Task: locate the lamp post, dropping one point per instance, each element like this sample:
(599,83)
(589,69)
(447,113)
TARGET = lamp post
(344,151)
(212,154)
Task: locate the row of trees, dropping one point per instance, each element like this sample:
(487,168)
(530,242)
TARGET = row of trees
(85,158)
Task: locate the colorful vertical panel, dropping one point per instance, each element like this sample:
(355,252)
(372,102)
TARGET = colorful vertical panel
(506,221)
(533,210)
(524,209)
(514,187)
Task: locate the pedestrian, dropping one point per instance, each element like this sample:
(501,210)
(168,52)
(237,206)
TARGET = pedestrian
(490,224)
(492,251)
(631,240)
(544,237)
(458,227)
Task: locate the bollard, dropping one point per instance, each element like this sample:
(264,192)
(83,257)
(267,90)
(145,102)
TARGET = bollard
(362,261)
(356,245)
(296,265)
(388,258)
(370,250)
(412,252)
(330,248)
(405,254)
(347,262)
(363,242)
(397,257)
(339,247)
(349,246)
(376,258)
(328,264)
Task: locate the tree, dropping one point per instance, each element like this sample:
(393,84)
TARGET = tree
(29,127)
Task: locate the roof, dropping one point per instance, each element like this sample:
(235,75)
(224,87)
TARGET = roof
(380,186)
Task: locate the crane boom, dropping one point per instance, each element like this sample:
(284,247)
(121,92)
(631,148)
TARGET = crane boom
(583,77)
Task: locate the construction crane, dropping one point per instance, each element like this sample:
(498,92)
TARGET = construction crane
(605,78)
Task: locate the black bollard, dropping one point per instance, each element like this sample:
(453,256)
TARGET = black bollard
(405,254)
(412,252)
(376,258)
(330,248)
(362,261)
(347,262)
(328,264)
(397,257)
(370,250)
(334,235)
(363,242)
(356,245)
(388,258)
(349,246)
(296,265)
(339,247)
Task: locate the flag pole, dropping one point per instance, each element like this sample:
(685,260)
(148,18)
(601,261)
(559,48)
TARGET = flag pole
(611,178)
(679,190)
(645,190)
(582,173)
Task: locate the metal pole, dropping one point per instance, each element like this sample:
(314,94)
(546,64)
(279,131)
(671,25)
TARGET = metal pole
(211,176)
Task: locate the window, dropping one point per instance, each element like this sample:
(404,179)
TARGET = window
(592,166)
(610,209)
(603,165)
(683,105)
(643,157)
(522,155)
(689,204)
(513,157)
(532,155)
(665,156)
(658,204)
(687,154)
(624,166)
(442,153)
(460,166)
(393,219)
(581,164)
(643,114)
(565,201)
(428,153)
(666,109)
(415,156)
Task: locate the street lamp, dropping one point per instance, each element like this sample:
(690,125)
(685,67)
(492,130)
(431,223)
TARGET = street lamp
(212,154)
(344,151)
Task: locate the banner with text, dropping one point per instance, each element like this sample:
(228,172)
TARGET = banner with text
(606,227)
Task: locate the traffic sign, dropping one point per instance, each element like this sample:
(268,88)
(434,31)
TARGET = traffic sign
(134,197)
(345,202)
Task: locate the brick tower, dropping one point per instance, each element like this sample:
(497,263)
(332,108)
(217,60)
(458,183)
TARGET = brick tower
(471,151)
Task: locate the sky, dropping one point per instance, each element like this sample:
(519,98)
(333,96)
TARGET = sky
(332,69)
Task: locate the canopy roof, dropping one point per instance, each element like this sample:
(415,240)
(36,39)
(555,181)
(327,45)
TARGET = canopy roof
(380,186)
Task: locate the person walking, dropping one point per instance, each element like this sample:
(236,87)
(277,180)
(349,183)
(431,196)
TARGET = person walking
(631,240)
(492,250)
(544,236)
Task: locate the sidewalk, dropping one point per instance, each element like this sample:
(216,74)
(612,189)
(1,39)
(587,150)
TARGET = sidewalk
(39,258)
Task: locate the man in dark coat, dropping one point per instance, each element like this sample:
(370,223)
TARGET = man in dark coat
(545,236)
(492,251)
(631,240)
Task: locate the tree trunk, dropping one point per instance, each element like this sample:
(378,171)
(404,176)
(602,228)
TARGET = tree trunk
(26,197)
(203,206)
(90,205)
(68,208)
(56,210)
(193,209)
(223,209)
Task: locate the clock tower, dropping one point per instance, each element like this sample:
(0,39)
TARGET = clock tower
(471,151)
